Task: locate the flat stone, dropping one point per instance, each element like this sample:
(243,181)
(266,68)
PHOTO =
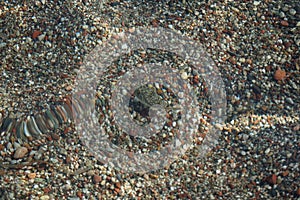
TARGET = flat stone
(20,152)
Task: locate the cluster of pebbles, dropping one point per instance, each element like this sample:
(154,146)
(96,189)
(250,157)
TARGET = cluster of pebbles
(255,45)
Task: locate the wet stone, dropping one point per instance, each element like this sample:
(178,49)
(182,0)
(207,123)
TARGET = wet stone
(20,152)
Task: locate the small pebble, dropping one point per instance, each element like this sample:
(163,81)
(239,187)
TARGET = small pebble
(41,37)
(20,152)
(279,75)
(284,23)
(272,179)
(292,11)
(256,3)
(35,34)
(31,175)
(2,44)
(184,75)
(96,179)
(267,151)
(298,191)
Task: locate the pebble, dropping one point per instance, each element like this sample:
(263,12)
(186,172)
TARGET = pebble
(55,136)
(284,23)
(256,3)
(298,191)
(279,75)
(41,37)
(44,197)
(184,75)
(20,152)
(267,150)
(272,179)
(97,179)
(31,175)
(35,34)
(290,100)
(292,11)
(2,44)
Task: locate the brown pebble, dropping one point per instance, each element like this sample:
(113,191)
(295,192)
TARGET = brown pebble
(68,160)
(232,60)
(117,190)
(48,137)
(279,75)
(285,173)
(36,33)
(154,23)
(47,190)
(96,179)
(287,44)
(55,136)
(272,179)
(284,23)
(69,88)
(1,147)
(2,172)
(264,108)
(20,152)
(31,175)
(79,194)
(118,185)
(268,68)
(159,91)
(298,191)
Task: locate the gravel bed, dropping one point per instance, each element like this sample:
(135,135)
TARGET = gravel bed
(254,44)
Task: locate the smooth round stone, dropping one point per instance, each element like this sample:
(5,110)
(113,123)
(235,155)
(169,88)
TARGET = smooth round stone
(292,11)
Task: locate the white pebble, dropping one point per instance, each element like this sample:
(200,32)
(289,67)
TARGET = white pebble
(243,153)
(267,151)
(85,27)
(184,75)
(256,3)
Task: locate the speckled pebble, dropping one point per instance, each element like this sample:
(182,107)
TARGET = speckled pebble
(20,152)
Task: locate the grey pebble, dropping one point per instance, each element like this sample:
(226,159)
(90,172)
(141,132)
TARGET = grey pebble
(243,153)
(290,100)
(2,44)
(292,11)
